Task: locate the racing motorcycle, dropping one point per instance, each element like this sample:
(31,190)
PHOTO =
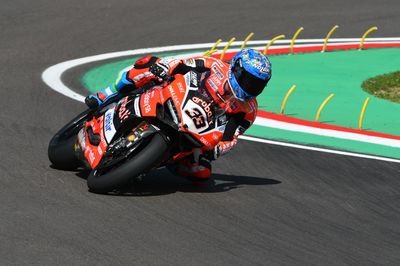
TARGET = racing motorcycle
(132,135)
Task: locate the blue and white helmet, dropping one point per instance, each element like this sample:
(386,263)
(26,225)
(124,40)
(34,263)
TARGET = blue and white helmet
(249,73)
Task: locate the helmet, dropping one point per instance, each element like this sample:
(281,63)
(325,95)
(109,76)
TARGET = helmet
(249,73)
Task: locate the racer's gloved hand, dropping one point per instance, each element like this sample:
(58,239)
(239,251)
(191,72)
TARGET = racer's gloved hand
(160,70)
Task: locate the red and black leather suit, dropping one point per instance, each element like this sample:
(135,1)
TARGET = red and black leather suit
(240,115)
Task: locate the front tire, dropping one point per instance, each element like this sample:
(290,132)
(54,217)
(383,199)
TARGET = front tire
(61,147)
(149,157)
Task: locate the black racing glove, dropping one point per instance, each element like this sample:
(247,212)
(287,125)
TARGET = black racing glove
(160,70)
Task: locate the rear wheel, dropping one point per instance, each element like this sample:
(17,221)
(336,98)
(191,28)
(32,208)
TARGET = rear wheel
(61,147)
(150,156)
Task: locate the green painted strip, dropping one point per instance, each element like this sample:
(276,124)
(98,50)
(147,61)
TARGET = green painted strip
(342,72)
(316,76)
(321,141)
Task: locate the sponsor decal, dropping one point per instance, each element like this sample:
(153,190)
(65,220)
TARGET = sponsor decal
(131,137)
(146,102)
(218,73)
(221,120)
(197,117)
(204,141)
(137,132)
(82,139)
(136,106)
(188,83)
(215,137)
(174,63)
(221,123)
(180,87)
(253,106)
(124,112)
(169,62)
(162,99)
(217,63)
(216,80)
(173,95)
(206,106)
(257,64)
(108,121)
(109,129)
(91,156)
(264,70)
(194,117)
(144,127)
(212,85)
(193,79)
(99,150)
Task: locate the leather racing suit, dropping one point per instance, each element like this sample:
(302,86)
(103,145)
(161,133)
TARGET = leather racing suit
(240,115)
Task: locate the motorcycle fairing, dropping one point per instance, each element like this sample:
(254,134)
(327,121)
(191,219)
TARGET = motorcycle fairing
(196,110)
(197,114)
(95,128)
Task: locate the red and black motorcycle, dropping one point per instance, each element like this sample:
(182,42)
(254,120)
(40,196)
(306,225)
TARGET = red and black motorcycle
(140,132)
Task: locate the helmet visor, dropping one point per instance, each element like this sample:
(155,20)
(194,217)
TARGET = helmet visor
(251,84)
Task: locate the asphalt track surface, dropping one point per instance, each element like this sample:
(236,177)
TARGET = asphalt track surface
(267,204)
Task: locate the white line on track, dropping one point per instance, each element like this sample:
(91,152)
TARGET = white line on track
(52,75)
(303,147)
(266,122)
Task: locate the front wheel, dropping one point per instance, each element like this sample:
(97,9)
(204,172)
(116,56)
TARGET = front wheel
(61,147)
(150,156)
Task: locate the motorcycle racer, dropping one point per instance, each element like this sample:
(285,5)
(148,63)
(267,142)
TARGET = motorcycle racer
(234,85)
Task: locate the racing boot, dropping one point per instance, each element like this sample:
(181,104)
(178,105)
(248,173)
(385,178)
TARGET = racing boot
(198,172)
(95,100)
(122,84)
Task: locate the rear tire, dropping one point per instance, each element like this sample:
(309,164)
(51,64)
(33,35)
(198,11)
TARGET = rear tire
(149,157)
(61,147)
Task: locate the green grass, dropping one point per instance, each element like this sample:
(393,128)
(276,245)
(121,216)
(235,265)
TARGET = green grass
(384,86)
